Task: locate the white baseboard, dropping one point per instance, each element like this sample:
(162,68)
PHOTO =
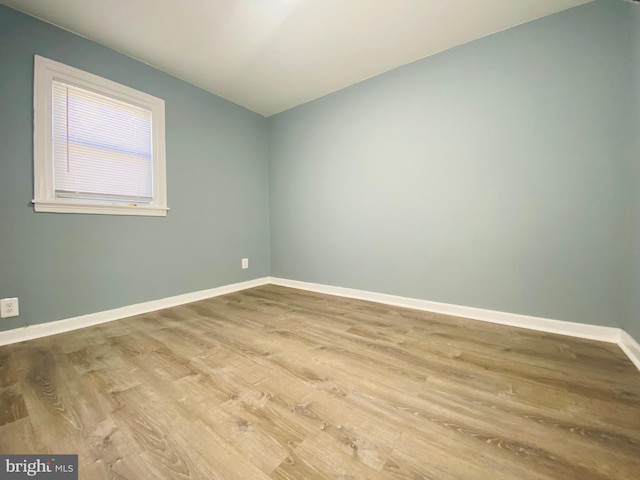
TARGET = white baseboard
(592,332)
(581,330)
(60,326)
(631,347)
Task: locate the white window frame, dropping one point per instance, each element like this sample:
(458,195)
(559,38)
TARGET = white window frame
(45,199)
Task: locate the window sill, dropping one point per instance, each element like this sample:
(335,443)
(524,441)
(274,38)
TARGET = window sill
(58,206)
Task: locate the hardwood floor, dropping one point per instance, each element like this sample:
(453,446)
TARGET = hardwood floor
(277,383)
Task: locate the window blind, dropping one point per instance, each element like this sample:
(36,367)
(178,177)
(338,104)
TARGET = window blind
(102,147)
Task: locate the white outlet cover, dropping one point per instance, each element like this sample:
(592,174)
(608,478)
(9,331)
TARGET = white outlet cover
(245,263)
(9,307)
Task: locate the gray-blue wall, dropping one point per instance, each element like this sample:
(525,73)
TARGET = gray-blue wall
(62,265)
(632,319)
(502,174)
(488,175)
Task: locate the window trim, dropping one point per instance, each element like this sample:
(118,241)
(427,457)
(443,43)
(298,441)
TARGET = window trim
(45,199)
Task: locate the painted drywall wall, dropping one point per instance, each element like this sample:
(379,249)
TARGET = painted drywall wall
(632,317)
(485,176)
(64,265)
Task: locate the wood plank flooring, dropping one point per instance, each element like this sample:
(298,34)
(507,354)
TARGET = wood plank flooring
(276,383)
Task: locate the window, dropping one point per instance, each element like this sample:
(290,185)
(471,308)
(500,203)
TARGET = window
(98,145)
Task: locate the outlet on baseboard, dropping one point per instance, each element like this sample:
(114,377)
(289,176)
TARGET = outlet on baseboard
(9,307)
(245,263)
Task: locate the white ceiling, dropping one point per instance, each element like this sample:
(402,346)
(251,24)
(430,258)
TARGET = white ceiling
(271,55)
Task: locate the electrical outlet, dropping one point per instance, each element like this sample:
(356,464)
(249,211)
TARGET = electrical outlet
(245,263)
(9,307)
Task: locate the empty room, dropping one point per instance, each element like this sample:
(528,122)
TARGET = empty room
(320,239)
